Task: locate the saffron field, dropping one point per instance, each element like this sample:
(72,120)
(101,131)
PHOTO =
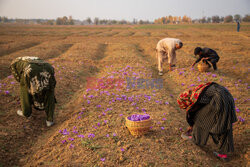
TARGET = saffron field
(94,68)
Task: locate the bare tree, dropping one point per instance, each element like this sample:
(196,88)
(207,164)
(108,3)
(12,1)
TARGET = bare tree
(96,20)
(89,21)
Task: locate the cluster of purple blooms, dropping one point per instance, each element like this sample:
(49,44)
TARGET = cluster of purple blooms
(138,117)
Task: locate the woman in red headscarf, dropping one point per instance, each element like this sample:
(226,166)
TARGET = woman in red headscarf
(210,111)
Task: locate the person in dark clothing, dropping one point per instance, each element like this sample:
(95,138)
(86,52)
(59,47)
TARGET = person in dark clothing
(207,55)
(37,86)
(238,26)
(210,111)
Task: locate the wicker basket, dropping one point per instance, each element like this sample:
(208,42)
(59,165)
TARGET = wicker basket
(203,67)
(138,128)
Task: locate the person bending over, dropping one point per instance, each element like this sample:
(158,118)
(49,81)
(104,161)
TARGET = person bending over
(165,50)
(210,112)
(207,55)
(37,86)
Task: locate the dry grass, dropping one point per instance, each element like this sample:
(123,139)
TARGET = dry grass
(118,52)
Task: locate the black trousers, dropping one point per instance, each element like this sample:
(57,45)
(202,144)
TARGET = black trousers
(213,62)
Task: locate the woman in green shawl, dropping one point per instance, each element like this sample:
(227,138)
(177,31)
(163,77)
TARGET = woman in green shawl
(37,86)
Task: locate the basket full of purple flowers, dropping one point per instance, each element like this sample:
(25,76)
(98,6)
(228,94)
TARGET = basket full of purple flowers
(138,124)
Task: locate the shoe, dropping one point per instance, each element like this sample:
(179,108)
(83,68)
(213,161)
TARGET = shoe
(49,123)
(222,157)
(20,113)
(186,137)
(160,73)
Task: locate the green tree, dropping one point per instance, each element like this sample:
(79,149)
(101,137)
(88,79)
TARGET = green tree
(50,22)
(215,19)
(209,19)
(59,21)
(228,19)
(5,19)
(246,18)
(237,17)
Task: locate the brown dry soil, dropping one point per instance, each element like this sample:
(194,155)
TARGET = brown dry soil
(79,53)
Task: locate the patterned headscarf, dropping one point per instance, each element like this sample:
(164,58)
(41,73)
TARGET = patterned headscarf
(188,98)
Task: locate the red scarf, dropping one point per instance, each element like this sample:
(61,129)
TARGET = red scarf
(188,98)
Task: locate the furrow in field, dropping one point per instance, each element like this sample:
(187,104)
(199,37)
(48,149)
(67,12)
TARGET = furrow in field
(6,49)
(183,78)
(72,69)
(44,50)
(125,33)
(118,57)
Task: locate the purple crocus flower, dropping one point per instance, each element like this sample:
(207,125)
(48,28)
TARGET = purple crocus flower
(107,135)
(137,117)
(122,149)
(208,73)
(71,146)
(241,119)
(71,139)
(133,104)
(64,141)
(65,132)
(102,159)
(164,119)
(114,134)
(162,128)
(7,92)
(91,135)
(166,102)
(90,96)
(74,131)
(214,75)
(80,136)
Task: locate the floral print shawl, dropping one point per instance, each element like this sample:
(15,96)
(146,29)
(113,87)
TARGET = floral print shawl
(188,98)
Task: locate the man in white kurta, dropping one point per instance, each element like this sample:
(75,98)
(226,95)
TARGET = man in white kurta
(165,50)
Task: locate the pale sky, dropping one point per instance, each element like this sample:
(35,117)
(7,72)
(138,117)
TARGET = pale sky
(121,9)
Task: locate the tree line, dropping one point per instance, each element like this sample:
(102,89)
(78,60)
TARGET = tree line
(96,21)
(173,19)
(226,19)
